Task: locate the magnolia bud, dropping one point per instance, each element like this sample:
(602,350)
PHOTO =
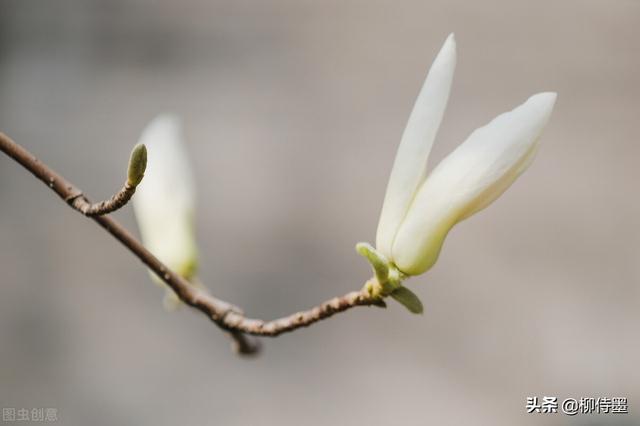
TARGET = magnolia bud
(419,210)
(165,201)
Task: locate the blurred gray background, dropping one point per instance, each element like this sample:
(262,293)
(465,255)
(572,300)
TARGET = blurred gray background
(293,112)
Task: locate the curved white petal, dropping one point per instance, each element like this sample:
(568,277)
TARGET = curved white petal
(409,167)
(468,180)
(164,202)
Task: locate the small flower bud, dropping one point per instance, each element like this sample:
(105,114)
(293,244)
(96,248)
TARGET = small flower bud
(137,165)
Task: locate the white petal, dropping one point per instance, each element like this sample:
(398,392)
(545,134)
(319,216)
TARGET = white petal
(468,180)
(164,202)
(409,167)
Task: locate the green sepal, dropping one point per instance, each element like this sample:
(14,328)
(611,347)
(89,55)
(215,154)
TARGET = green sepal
(379,263)
(408,299)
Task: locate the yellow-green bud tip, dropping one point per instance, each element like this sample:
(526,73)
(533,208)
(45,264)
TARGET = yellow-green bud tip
(137,165)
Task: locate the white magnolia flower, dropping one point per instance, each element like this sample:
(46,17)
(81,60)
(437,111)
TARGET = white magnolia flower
(419,210)
(164,204)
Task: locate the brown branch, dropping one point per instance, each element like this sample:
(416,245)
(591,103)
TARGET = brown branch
(119,200)
(225,315)
(238,321)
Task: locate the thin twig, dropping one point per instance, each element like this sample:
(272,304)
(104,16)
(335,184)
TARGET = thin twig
(225,315)
(119,200)
(258,327)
